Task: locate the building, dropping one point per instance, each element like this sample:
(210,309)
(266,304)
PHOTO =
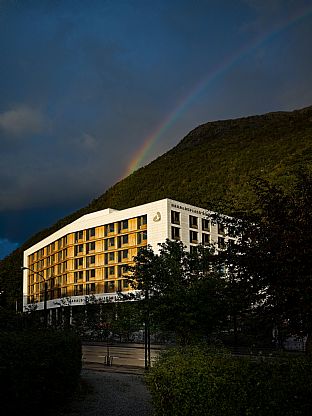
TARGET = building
(88,256)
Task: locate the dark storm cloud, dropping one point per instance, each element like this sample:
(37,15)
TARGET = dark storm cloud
(83,84)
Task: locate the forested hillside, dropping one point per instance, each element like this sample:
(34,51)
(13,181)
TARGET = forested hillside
(211,167)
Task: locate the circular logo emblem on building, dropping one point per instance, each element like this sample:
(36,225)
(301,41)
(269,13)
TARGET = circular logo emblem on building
(157,217)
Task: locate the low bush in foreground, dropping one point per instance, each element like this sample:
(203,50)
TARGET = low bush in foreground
(197,381)
(38,370)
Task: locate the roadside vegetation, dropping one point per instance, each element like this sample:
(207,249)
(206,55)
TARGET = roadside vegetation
(39,370)
(198,381)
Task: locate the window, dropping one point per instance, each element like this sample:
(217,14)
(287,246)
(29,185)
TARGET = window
(90,233)
(123,254)
(90,260)
(175,217)
(90,274)
(119,287)
(78,290)
(109,287)
(111,242)
(90,288)
(125,283)
(194,237)
(142,220)
(106,273)
(111,270)
(90,247)
(205,239)
(79,263)
(109,228)
(78,250)
(78,276)
(122,240)
(175,233)
(205,225)
(141,237)
(123,225)
(78,235)
(193,221)
(193,249)
(121,270)
(111,256)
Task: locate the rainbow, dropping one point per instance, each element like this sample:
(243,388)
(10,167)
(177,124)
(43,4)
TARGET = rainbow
(199,88)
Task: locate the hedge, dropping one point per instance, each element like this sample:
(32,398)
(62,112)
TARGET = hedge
(196,381)
(38,370)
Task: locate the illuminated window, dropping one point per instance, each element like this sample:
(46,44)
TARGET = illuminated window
(90,233)
(78,263)
(78,235)
(90,274)
(90,288)
(90,247)
(90,260)
(142,220)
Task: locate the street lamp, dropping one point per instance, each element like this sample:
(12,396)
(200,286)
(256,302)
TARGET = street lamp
(45,296)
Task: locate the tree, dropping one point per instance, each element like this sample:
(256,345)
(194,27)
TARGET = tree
(185,291)
(271,258)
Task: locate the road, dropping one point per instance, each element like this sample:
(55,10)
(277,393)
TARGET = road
(123,355)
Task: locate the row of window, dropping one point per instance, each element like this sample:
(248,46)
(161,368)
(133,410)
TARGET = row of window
(194,223)
(79,289)
(194,239)
(109,287)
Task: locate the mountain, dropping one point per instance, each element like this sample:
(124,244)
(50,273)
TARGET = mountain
(211,167)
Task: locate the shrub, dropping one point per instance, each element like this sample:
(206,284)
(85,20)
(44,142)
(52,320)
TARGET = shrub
(196,381)
(38,369)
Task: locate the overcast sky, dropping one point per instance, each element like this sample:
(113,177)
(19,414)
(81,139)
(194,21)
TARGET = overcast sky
(84,84)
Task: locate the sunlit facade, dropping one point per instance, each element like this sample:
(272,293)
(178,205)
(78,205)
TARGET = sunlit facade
(88,256)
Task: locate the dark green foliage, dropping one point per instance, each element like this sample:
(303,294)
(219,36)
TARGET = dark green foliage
(185,291)
(211,168)
(37,369)
(270,265)
(201,382)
